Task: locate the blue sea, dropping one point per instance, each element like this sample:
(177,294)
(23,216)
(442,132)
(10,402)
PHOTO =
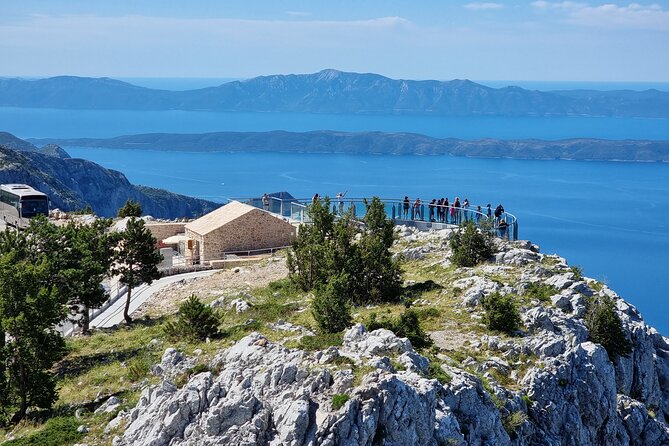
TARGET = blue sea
(612,219)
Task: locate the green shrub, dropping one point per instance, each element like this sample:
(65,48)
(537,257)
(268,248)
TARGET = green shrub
(512,423)
(195,321)
(56,432)
(338,400)
(138,369)
(606,328)
(577,271)
(540,291)
(320,341)
(501,313)
(435,371)
(407,325)
(330,307)
(471,246)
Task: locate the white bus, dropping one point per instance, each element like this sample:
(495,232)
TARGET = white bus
(20,202)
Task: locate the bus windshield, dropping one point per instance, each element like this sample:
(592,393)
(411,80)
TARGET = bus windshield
(32,206)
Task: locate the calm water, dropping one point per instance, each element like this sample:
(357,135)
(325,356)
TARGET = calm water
(45,123)
(612,219)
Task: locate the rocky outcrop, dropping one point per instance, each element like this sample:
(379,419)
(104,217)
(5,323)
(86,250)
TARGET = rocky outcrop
(73,184)
(547,385)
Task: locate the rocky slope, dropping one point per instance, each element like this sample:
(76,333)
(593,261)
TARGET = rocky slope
(547,385)
(332,91)
(72,184)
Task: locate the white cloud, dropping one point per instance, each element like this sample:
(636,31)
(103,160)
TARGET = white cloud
(633,15)
(476,6)
(298,13)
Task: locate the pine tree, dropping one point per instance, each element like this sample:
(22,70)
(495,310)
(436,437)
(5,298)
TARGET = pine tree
(130,209)
(606,328)
(90,253)
(331,307)
(470,245)
(195,321)
(136,259)
(30,307)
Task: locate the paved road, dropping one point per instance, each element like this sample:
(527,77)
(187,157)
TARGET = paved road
(114,314)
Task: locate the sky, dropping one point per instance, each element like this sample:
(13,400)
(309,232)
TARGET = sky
(431,39)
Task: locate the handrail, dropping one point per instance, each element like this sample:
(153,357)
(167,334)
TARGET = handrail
(506,226)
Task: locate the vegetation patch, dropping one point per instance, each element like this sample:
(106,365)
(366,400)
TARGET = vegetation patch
(501,313)
(321,341)
(606,328)
(338,400)
(407,325)
(512,423)
(195,321)
(57,431)
(540,291)
(470,245)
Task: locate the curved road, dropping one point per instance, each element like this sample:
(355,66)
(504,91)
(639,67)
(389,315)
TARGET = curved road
(114,314)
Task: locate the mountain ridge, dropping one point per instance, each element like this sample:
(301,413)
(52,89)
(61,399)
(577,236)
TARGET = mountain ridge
(336,92)
(72,184)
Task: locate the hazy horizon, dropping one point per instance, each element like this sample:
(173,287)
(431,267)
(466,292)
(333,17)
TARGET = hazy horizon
(595,41)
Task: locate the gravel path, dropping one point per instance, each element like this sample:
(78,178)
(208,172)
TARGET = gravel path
(228,281)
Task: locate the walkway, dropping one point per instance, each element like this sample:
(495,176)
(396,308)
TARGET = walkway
(113,315)
(295,210)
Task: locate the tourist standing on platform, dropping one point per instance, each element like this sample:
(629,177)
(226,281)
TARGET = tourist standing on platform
(499,210)
(465,209)
(440,210)
(489,211)
(478,214)
(265,202)
(340,198)
(416,210)
(315,198)
(446,210)
(407,205)
(432,205)
(455,212)
(502,229)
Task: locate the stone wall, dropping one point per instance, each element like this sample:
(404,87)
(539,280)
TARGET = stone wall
(163,230)
(254,230)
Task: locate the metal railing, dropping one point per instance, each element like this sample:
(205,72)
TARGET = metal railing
(422,215)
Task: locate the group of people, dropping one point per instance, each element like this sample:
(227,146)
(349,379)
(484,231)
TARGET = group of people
(443,211)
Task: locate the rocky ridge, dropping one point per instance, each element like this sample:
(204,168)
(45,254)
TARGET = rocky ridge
(547,385)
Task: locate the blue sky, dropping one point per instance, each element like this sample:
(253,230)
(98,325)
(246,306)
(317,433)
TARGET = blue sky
(496,40)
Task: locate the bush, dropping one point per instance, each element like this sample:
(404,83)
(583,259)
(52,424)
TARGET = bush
(330,307)
(606,328)
(130,209)
(195,321)
(501,313)
(471,246)
(338,400)
(407,325)
(540,291)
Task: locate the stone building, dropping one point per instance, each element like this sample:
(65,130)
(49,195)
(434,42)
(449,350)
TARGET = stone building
(237,227)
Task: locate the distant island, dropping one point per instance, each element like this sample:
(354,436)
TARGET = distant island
(380,143)
(336,92)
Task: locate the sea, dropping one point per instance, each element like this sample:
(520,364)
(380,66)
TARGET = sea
(609,218)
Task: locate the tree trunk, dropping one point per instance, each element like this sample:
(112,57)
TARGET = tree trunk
(126,316)
(85,321)
(23,392)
